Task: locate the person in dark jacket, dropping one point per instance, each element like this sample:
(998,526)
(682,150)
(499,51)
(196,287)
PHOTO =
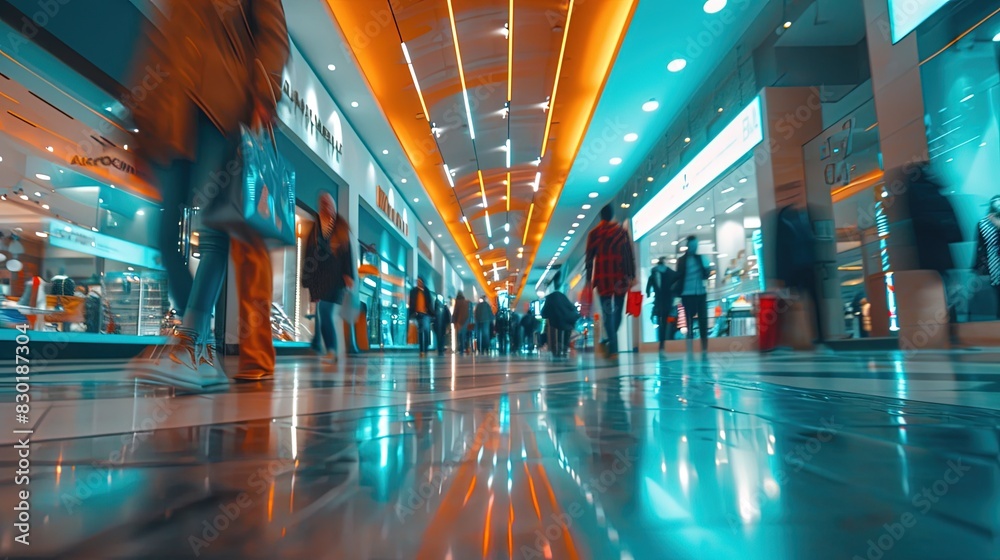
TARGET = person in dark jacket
(795,259)
(503,331)
(484,324)
(529,327)
(420,310)
(516,337)
(327,273)
(442,322)
(560,318)
(460,320)
(692,272)
(661,285)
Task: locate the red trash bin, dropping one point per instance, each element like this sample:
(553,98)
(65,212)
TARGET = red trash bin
(768,324)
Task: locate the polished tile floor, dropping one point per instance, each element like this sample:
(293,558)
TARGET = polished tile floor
(786,456)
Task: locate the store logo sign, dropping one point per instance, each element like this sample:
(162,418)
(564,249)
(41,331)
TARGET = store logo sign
(104,161)
(386,205)
(81,240)
(907,15)
(314,122)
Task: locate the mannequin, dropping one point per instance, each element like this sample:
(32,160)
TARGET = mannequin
(988,252)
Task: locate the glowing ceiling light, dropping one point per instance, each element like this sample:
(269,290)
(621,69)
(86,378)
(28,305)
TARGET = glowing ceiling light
(615,161)
(527,224)
(508,153)
(447,173)
(714,6)
(354,104)
(631,137)
(650,105)
(594,195)
(603,179)
(416,83)
(555,84)
(587,207)
(42,177)
(331,67)
(507,198)
(482,186)
(461,70)
(510,51)
(474,242)
(489,228)
(538,181)
(677,65)
(739,204)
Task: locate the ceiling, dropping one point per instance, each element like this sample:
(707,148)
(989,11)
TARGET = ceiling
(442,134)
(827,23)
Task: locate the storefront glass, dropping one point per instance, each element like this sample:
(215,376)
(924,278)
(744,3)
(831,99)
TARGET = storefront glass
(961,87)
(725,218)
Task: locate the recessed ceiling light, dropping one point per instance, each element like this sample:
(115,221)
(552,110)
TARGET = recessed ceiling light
(631,137)
(331,67)
(43,177)
(681,222)
(140,213)
(653,244)
(571,232)
(23,196)
(663,234)
(38,194)
(576,224)
(567,238)
(650,105)
(50,148)
(439,235)
(714,6)
(700,209)
(587,207)
(650,179)
(580,217)
(787,24)
(687,140)
(635,195)
(677,65)
(996,38)
(403,180)
(615,161)
(354,104)
(430,223)
(416,200)
(45,206)
(385,152)
(594,195)
(603,179)
(743,180)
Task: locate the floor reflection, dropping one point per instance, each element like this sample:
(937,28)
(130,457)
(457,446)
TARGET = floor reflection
(666,462)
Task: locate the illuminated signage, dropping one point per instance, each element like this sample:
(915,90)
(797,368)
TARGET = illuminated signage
(104,161)
(724,151)
(906,15)
(313,120)
(386,205)
(88,242)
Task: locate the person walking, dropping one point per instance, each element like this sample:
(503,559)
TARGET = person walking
(442,322)
(516,338)
(503,331)
(421,302)
(692,272)
(988,247)
(529,328)
(560,319)
(328,274)
(460,320)
(661,285)
(611,270)
(215,69)
(484,324)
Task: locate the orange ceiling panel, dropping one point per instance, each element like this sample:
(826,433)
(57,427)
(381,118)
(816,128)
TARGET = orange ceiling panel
(375,30)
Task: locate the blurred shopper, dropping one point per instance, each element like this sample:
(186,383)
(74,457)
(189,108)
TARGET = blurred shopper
(503,331)
(421,307)
(795,260)
(692,273)
(661,285)
(484,324)
(460,319)
(560,319)
(516,336)
(442,322)
(611,270)
(529,328)
(328,274)
(209,68)
(935,229)
(988,251)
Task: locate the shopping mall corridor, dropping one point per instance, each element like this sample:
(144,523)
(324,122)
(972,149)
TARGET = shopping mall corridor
(785,456)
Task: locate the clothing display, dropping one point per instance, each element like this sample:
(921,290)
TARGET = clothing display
(988,248)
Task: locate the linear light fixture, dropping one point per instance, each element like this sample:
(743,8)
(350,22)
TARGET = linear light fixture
(447,173)
(508,153)
(482,186)
(474,242)
(468,226)
(416,83)
(510,52)
(538,180)
(527,224)
(489,227)
(555,85)
(508,191)
(739,204)
(461,70)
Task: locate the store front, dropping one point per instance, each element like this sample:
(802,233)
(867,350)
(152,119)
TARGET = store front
(386,281)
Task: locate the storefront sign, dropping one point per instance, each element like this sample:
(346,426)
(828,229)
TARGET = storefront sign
(81,240)
(386,206)
(724,151)
(313,120)
(103,161)
(906,15)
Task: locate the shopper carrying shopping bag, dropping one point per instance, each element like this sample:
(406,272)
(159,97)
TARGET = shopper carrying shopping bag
(328,272)
(208,70)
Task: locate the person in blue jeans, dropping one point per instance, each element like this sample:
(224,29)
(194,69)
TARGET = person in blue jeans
(421,307)
(484,323)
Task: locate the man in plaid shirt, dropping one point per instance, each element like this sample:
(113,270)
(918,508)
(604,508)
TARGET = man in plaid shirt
(611,270)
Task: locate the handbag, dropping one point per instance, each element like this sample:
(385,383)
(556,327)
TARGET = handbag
(262,205)
(633,306)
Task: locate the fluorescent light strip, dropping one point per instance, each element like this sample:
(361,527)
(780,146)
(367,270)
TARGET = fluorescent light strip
(508,192)
(527,224)
(468,226)
(416,83)
(510,52)
(474,242)
(447,173)
(489,227)
(482,186)
(461,71)
(739,204)
(508,153)
(538,180)
(555,85)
